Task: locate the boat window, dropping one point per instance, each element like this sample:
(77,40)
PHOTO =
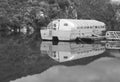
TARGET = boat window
(54,54)
(50,26)
(54,25)
(65,24)
(54,28)
(65,57)
(82,33)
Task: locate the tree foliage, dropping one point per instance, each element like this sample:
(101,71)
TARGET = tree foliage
(39,13)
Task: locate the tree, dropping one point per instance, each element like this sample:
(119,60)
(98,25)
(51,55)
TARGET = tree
(100,10)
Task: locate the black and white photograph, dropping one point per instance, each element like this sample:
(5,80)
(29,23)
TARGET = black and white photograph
(59,40)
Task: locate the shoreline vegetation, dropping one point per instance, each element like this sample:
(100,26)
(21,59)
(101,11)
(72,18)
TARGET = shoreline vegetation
(29,16)
(20,55)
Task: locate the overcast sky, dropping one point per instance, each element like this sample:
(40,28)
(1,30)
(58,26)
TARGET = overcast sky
(115,1)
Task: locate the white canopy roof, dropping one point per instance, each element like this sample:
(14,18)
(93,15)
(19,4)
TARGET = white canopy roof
(83,22)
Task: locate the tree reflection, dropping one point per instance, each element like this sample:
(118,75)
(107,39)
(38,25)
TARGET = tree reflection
(20,57)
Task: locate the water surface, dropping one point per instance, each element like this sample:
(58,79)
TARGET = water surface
(30,60)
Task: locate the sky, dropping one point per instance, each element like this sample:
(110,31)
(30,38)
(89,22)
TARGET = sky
(116,1)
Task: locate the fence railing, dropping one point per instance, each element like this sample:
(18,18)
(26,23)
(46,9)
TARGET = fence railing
(113,35)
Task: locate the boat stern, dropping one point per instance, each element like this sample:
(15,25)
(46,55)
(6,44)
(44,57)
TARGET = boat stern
(46,34)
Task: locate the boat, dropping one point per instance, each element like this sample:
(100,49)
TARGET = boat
(112,35)
(72,29)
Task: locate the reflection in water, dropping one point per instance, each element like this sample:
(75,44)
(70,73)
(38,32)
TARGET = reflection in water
(65,51)
(104,69)
(113,45)
(19,58)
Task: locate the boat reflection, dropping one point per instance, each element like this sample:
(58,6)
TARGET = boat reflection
(113,45)
(67,51)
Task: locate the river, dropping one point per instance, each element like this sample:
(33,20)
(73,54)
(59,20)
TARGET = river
(30,60)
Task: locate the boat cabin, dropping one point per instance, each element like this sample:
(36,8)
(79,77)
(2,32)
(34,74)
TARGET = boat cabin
(70,29)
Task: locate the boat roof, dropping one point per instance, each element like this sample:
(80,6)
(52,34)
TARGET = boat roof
(84,22)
